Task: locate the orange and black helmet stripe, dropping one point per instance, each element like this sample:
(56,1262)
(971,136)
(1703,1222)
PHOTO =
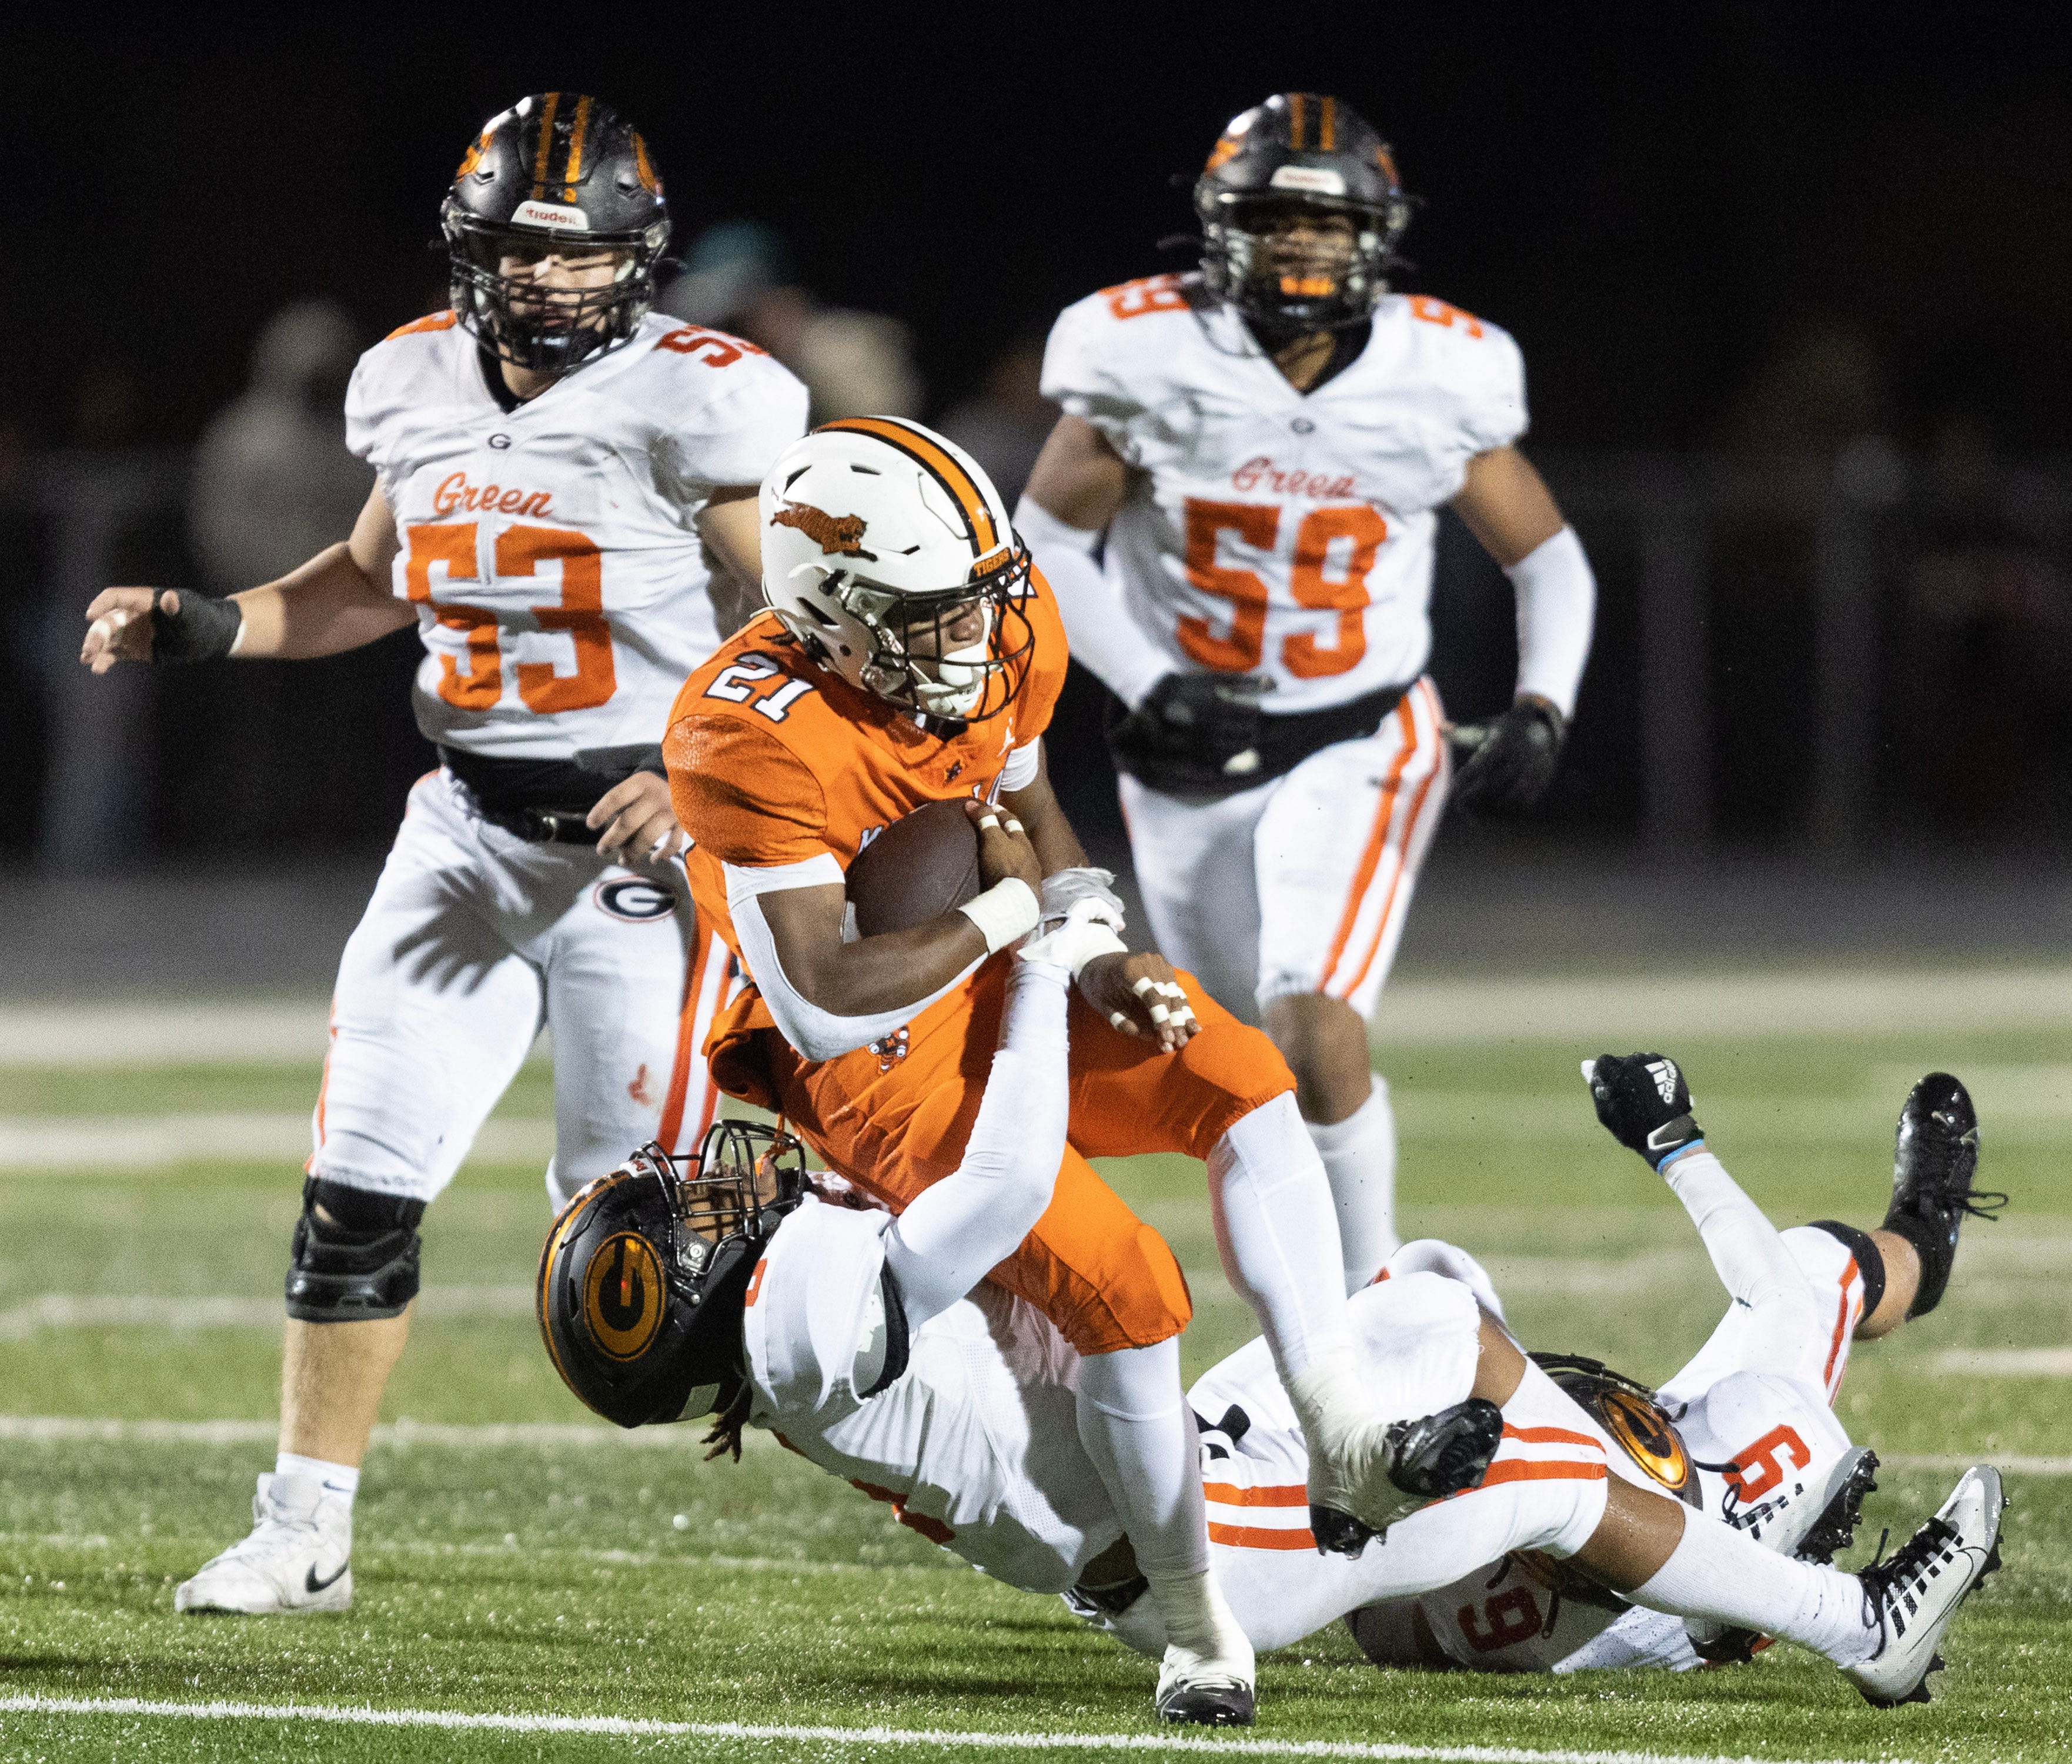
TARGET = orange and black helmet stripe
(542,153)
(1327,124)
(1295,101)
(942,466)
(572,172)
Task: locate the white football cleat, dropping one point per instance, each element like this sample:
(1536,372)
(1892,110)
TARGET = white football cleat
(298,1557)
(1915,1594)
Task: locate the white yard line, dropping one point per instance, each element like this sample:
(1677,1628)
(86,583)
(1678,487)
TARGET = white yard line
(862,1737)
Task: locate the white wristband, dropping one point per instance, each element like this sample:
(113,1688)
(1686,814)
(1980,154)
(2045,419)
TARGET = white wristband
(1005,911)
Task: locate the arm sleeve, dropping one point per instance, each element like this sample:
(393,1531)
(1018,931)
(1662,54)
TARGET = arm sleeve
(1099,628)
(1557,607)
(1023,765)
(816,1033)
(1753,1260)
(947,1241)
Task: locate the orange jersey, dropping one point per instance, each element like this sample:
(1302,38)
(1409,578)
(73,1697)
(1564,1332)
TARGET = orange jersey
(773,760)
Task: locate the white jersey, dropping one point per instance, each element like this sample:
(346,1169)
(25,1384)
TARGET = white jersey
(552,550)
(1276,532)
(1750,1419)
(976,1446)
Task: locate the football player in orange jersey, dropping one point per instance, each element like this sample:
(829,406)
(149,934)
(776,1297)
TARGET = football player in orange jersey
(912,656)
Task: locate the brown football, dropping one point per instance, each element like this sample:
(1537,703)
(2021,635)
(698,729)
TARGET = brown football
(916,870)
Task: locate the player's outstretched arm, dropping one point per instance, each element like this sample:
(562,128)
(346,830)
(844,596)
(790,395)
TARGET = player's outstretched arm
(1645,1104)
(337,601)
(1506,763)
(965,1225)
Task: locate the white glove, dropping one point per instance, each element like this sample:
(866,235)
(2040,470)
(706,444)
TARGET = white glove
(1064,889)
(1083,934)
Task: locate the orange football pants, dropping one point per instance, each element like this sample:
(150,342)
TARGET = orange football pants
(895,1116)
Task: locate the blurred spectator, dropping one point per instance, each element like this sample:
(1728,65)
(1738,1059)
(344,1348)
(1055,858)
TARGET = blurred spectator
(1986,647)
(273,482)
(738,277)
(1004,427)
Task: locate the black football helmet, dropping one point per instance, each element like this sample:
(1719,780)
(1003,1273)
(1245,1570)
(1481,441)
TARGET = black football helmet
(556,172)
(646,1273)
(1302,149)
(1630,1412)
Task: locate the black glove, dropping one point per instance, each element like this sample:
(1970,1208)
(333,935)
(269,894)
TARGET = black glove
(1193,732)
(1504,766)
(1644,1103)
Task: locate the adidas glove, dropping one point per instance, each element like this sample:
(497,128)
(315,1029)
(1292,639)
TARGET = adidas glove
(1644,1103)
(1504,765)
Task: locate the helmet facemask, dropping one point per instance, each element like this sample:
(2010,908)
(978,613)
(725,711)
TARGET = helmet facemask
(1295,282)
(917,664)
(531,323)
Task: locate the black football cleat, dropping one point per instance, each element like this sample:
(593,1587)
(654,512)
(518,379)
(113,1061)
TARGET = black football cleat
(1209,1703)
(1934,1157)
(1447,1453)
(1835,1529)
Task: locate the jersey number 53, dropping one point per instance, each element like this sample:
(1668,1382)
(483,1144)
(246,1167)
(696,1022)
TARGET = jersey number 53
(1242,649)
(518,551)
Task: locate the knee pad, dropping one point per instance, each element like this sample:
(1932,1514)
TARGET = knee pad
(1870,1259)
(355,1254)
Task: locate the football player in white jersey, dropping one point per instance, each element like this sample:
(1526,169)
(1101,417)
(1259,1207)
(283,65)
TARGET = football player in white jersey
(874,1348)
(1747,1429)
(566,485)
(1266,445)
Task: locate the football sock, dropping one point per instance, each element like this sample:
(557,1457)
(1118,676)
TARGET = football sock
(340,1479)
(1359,1154)
(1716,1572)
(1136,1425)
(1278,1235)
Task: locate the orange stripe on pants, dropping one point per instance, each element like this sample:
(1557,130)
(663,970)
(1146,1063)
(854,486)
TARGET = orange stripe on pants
(1841,1330)
(1396,882)
(1377,840)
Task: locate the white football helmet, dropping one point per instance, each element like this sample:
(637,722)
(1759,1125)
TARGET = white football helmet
(877,537)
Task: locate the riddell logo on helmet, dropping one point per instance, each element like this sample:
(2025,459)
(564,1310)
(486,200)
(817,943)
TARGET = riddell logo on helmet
(548,214)
(1262,474)
(1316,180)
(840,535)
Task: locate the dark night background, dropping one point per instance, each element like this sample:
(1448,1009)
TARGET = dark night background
(1663,205)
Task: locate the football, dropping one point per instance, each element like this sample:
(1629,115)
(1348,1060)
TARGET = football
(915,870)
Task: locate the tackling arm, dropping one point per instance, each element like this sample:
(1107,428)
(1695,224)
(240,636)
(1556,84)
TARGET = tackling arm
(947,1241)
(338,600)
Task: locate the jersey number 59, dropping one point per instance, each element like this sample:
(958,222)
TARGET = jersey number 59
(1242,649)
(519,552)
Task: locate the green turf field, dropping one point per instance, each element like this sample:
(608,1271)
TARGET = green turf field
(565,1571)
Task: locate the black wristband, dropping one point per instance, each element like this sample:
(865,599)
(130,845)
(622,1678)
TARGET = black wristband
(203,629)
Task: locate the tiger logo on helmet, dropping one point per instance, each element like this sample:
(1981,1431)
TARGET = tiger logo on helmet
(930,615)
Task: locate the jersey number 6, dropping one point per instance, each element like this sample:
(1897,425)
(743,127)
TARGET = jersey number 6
(1258,525)
(519,552)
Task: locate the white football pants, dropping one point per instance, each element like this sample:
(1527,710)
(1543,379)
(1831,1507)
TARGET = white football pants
(473,940)
(1302,884)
